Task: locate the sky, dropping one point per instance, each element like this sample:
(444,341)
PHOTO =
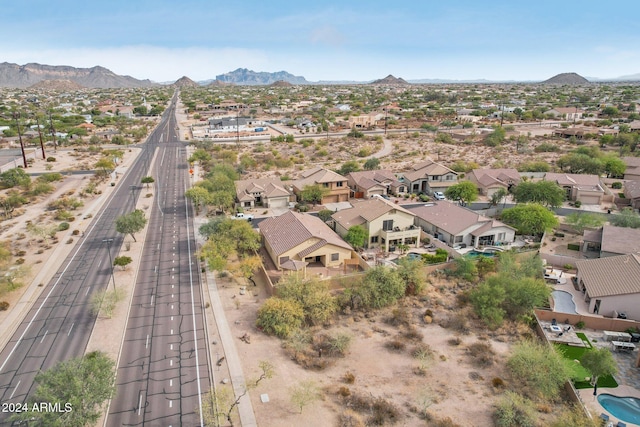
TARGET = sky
(345,40)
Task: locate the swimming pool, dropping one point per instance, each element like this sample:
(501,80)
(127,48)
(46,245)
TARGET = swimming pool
(476,254)
(563,302)
(625,408)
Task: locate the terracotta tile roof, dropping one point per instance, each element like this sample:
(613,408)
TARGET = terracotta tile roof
(426,169)
(369,179)
(269,187)
(610,276)
(581,181)
(291,229)
(487,177)
(366,211)
(317,176)
(632,189)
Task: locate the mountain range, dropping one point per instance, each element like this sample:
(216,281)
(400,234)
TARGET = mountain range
(64,77)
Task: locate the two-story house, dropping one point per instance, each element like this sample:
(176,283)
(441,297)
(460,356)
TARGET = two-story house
(266,192)
(388,224)
(335,184)
(365,184)
(428,177)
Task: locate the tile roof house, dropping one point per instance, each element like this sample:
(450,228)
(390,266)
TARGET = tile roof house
(611,285)
(566,113)
(266,192)
(632,192)
(489,181)
(387,223)
(633,168)
(336,184)
(294,236)
(611,241)
(584,188)
(428,177)
(380,182)
(456,225)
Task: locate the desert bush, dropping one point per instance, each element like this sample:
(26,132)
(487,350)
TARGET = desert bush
(350,418)
(454,341)
(75,232)
(20,261)
(412,333)
(344,391)
(339,344)
(70,240)
(4,305)
(384,413)
(395,345)
(481,353)
(51,159)
(616,185)
(21,253)
(540,369)
(399,317)
(458,322)
(63,226)
(497,382)
(349,378)
(515,410)
(280,317)
(50,177)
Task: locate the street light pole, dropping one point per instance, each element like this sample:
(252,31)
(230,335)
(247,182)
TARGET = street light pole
(108,242)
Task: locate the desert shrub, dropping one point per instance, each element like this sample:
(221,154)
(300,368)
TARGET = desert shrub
(558,234)
(412,333)
(616,185)
(339,344)
(344,391)
(4,305)
(64,215)
(515,410)
(540,369)
(440,256)
(20,261)
(51,159)
(458,322)
(21,253)
(349,378)
(577,203)
(280,317)
(481,353)
(40,188)
(70,241)
(497,382)
(580,325)
(454,341)
(575,417)
(350,418)
(50,177)
(64,226)
(384,413)
(75,232)
(399,317)
(546,148)
(395,345)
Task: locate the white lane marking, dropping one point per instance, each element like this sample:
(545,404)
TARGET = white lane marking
(170,383)
(171,332)
(45,334)
(140,403)
(171,317)
(170,403)
(171,362)
(171,306)
(86,293)
(14,390)
(146,345)
(151,299)
(69,333)
(171,295)
(170,346)
(99,262)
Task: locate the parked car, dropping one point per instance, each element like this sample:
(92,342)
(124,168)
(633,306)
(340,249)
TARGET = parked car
(439,195)
(242,215)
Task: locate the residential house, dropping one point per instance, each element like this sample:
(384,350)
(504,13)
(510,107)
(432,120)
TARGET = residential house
(266,192)
(632,192)
(294,236)
(566,113)
(633,168)
(334,183)
(368,183)
(489,181)
(611,285)
(610,240)
(580,132)
(364,121)
(458,226)
(387,224)
(428,177)
(586,189)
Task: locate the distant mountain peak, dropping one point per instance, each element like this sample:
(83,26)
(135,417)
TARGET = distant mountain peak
(185,81)
(243,76)
(566,79)
(390,80)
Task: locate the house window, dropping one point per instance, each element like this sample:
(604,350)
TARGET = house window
(387,225)
(433,178)
(374,239)
(458,239)
(401,190)
(325,184)
(283,259)
(339,184)
(449,177)
(335,257)
(501,236)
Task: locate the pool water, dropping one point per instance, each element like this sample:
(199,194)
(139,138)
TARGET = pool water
(476,254)
(563,302)
(625,408)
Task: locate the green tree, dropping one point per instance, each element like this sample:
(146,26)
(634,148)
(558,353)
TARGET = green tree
(131,223)
(613,166)
(546,193)
(304,393)
(11,200)
(348,167)
(372,164)
(199,196)
(464,192)
(380,287)
(325,214)
(313,296)
(84,384)
(599,362)
(313,193)
(580,163)
(15,177)
(104,166)
(530,218)
(122,261)
(357,236)
(280,317)
(580,221)
(410,271)
(498,196)
(200,155)
(147,180)
(540,369)
(626,218)
(222,200)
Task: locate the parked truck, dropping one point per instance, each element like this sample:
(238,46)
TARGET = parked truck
(242,215)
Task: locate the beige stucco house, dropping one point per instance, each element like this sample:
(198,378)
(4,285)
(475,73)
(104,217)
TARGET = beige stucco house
(587,189)
(365,184)
(334,183)
(388,224)
(428,177)
(611,285)
(295,236)
(266,192)
(489,181)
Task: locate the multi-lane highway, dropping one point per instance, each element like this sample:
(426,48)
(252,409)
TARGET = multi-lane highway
(163,367)
(166,313)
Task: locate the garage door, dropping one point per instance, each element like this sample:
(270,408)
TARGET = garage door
(330,199)
(279,203)
(590,200)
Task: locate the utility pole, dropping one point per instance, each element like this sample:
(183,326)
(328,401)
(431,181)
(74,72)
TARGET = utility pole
(238,127)
(40,134)
(53,133)
(16,115)
(108,242)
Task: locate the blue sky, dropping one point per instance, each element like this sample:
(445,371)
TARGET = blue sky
(328,40)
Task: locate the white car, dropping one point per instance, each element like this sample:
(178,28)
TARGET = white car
(438,195)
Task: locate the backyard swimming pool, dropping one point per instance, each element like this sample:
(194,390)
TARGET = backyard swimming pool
(625,408)
(476,254)
(563,302)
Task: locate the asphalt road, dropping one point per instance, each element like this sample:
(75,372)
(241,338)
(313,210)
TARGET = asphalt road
(59,324)
(164,367)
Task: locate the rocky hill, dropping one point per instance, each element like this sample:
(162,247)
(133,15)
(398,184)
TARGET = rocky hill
(23,76)
(59,85)
(243,76)
(185,81)
(390,80)
(566,79)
